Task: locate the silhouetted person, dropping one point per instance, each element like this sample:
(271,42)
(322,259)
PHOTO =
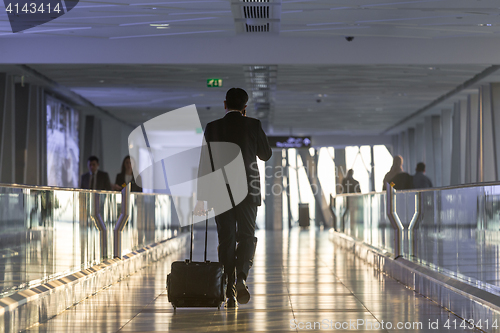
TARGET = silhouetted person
(419,179)
(95,179)
(401,179)
(238,223)
(349,184)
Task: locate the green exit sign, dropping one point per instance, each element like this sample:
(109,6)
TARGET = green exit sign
(211,83)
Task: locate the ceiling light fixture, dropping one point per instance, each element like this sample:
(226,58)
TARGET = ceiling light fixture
(160,25)
(485,25)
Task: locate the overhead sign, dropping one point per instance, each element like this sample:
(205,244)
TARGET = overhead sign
(211,83)
(290,141)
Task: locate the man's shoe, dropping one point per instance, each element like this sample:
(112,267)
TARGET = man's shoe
(242,293)
(231,302)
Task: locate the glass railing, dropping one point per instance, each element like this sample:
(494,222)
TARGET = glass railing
(453,230)
(363,217)
(47,232)
(457,231)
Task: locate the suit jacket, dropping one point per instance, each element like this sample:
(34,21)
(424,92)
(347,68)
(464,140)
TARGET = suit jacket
(102,182)
(421,181)
(120,180)
(248,134)
(350,185)
(402,181)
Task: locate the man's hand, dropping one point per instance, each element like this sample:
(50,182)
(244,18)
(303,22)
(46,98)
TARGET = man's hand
(199,209)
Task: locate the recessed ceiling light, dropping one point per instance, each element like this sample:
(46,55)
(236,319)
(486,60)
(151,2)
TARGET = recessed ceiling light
(159,25)
(162,27)
(101,81)
(485,25)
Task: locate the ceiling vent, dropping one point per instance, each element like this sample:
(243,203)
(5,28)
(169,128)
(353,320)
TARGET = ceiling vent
(256,16)
(254,12)
(257,28)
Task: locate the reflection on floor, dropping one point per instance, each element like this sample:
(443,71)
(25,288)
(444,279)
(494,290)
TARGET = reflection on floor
(299,280)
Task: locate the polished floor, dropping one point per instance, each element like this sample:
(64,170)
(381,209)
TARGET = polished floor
(299,282)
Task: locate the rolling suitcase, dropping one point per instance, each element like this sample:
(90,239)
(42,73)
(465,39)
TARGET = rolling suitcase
(196,284)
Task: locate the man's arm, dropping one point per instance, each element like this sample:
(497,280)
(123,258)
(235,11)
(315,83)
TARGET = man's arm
(264,151)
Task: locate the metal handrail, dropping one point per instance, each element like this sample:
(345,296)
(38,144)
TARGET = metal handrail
(122,221)
(71,189)
(451,187)
(55,188)
(99,224)
(356,194)
(430,189)
(394,219)
(414,224)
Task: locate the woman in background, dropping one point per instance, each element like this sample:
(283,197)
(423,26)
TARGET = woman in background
(126,176)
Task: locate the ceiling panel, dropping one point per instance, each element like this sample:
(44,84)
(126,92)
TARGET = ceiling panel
(403,19)
(305,100)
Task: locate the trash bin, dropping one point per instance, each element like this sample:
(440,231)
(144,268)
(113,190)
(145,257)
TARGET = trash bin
(303,214)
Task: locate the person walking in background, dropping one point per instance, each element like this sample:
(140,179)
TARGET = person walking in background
(236,227)
(401,180)
(397,167)
(419,179)
(349,184)
(126,176)
(95,179)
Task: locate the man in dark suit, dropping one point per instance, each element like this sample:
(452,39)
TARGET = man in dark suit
(419,179)
(349,184)
(236,226)
(95,179)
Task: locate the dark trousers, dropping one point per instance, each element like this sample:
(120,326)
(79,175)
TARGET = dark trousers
(237,241)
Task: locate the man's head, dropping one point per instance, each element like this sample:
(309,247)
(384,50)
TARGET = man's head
(93,164)
(421,167)
(350,173)
(236,99)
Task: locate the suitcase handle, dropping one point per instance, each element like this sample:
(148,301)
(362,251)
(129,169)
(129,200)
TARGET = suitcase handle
(192,237)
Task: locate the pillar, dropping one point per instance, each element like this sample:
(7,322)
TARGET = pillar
(488,150)
(340,168)
(495,107)
(433,148)
(455,153)
(412,160)
(446,118)
(472,138)
(419,143)
(274,201)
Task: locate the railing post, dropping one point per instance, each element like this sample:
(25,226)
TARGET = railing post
(345,199)
(394,219)
(122,221)
(332,210)
(415,220)
(99,224)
